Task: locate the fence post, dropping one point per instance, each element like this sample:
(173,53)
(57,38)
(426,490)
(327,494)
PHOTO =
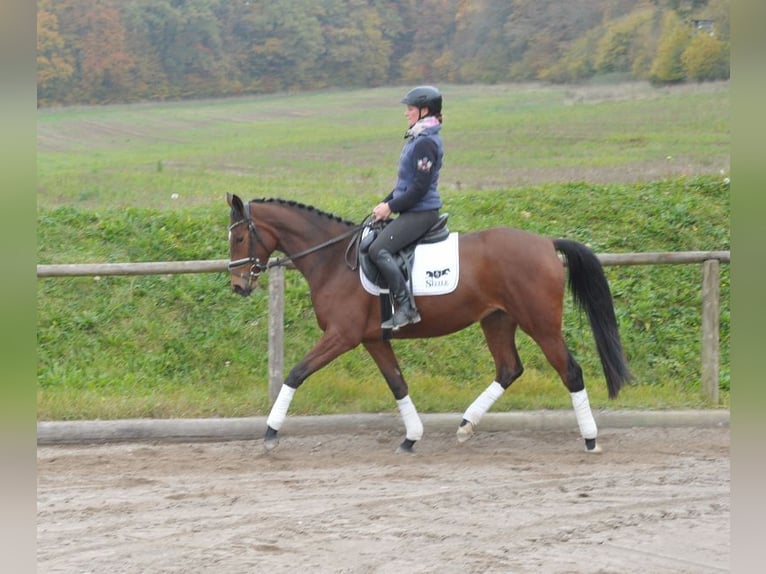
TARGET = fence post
(710,327)
(276,330)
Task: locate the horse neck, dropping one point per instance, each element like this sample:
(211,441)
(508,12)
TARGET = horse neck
(298,229)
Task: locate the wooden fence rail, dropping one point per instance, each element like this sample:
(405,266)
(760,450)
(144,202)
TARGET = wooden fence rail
(710,261)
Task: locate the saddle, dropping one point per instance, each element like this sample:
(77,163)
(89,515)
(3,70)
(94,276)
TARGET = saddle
(404,258)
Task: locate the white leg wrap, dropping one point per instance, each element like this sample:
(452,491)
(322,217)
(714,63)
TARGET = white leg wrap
(412,423)
(585,419)
(483,403)
(279,410)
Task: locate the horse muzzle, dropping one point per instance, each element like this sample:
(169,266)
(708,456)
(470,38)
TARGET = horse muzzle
(240,290)
(243,283)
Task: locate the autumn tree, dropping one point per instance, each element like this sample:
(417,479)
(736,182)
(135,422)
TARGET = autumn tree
(283,41)
(55,64)
(705,58)
(478,50)
(96,51)
(541,34)
(674,38)
(104,65)
(356,51)
(93,35)
(627,44)
(430,27)
(577,62)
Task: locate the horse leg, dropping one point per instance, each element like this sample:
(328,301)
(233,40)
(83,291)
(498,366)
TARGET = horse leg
(500,333)
(329,346)
(569,370)
(384,357)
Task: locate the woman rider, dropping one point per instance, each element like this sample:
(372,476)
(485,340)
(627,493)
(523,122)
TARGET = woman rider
(415,197)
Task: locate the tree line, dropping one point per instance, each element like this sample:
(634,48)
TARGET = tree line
(108,51)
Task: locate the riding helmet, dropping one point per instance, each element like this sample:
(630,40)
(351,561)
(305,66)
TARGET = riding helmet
(425,97)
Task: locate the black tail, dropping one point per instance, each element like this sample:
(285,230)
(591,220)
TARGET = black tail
(590,291)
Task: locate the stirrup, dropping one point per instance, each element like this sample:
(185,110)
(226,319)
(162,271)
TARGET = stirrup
(410,318)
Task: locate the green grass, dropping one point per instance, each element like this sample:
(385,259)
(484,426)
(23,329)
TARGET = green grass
(345,145)
(526,156)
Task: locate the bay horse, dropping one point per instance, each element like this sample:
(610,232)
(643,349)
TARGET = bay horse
(509,279)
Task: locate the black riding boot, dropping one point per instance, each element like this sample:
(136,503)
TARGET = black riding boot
(405,313)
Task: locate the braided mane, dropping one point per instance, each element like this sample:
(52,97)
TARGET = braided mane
(309,208)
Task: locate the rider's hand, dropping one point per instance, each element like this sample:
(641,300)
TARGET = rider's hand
(381,211)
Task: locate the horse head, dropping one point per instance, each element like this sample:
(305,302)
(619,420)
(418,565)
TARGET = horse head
(249,249)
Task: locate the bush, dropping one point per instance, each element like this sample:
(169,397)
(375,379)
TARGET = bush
(706,58)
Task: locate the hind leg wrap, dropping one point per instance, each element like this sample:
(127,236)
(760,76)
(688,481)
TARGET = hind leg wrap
(585,419)
(279,410)
(477,410)
(483,403)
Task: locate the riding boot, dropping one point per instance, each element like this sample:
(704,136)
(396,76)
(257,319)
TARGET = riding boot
(405,313)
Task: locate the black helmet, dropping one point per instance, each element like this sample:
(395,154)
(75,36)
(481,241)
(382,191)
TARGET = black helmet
(425,97)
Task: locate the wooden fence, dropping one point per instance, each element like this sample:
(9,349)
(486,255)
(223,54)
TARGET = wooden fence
(710,327)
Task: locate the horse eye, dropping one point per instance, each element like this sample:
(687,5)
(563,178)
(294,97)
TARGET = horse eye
(239,239)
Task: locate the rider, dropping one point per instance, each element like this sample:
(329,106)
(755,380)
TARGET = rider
(415,197)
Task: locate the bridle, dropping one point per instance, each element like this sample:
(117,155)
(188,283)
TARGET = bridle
(256,267)
(254,238)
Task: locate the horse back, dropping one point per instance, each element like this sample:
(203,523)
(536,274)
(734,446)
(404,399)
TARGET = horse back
(512,263)
(519,249)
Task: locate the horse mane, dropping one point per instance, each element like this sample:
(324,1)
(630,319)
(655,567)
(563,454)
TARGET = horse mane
(309,208)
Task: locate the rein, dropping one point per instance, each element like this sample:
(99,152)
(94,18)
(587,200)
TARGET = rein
(282,261)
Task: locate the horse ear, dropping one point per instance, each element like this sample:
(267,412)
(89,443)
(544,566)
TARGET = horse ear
(236,204)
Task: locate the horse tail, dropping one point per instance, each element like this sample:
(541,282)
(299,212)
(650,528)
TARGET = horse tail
(590,291)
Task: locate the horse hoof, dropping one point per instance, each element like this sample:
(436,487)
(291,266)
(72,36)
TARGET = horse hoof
(406,447)
(271,440)
(270,445)
(591,447)
(464,432)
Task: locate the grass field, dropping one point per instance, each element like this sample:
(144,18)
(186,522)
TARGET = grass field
(317,147)
(622,168)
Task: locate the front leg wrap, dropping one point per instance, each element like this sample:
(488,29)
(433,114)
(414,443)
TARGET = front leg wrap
(412,423)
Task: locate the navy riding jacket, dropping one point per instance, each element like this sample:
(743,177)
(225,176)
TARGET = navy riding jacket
(418,176)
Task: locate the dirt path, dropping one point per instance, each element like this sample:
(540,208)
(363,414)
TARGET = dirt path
(656,501)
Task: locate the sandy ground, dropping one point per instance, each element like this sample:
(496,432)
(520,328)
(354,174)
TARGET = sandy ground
(657,500)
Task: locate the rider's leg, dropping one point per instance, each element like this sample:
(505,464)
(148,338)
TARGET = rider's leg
(406,312)
(406,229)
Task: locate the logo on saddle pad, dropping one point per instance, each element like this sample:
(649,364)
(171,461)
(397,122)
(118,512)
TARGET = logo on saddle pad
(435,269)
(437,278)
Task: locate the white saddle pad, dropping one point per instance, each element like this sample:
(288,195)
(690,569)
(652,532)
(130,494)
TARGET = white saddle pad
(435,270)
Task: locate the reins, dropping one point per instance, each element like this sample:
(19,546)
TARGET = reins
(256,267)
(353,264)
(282,261)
